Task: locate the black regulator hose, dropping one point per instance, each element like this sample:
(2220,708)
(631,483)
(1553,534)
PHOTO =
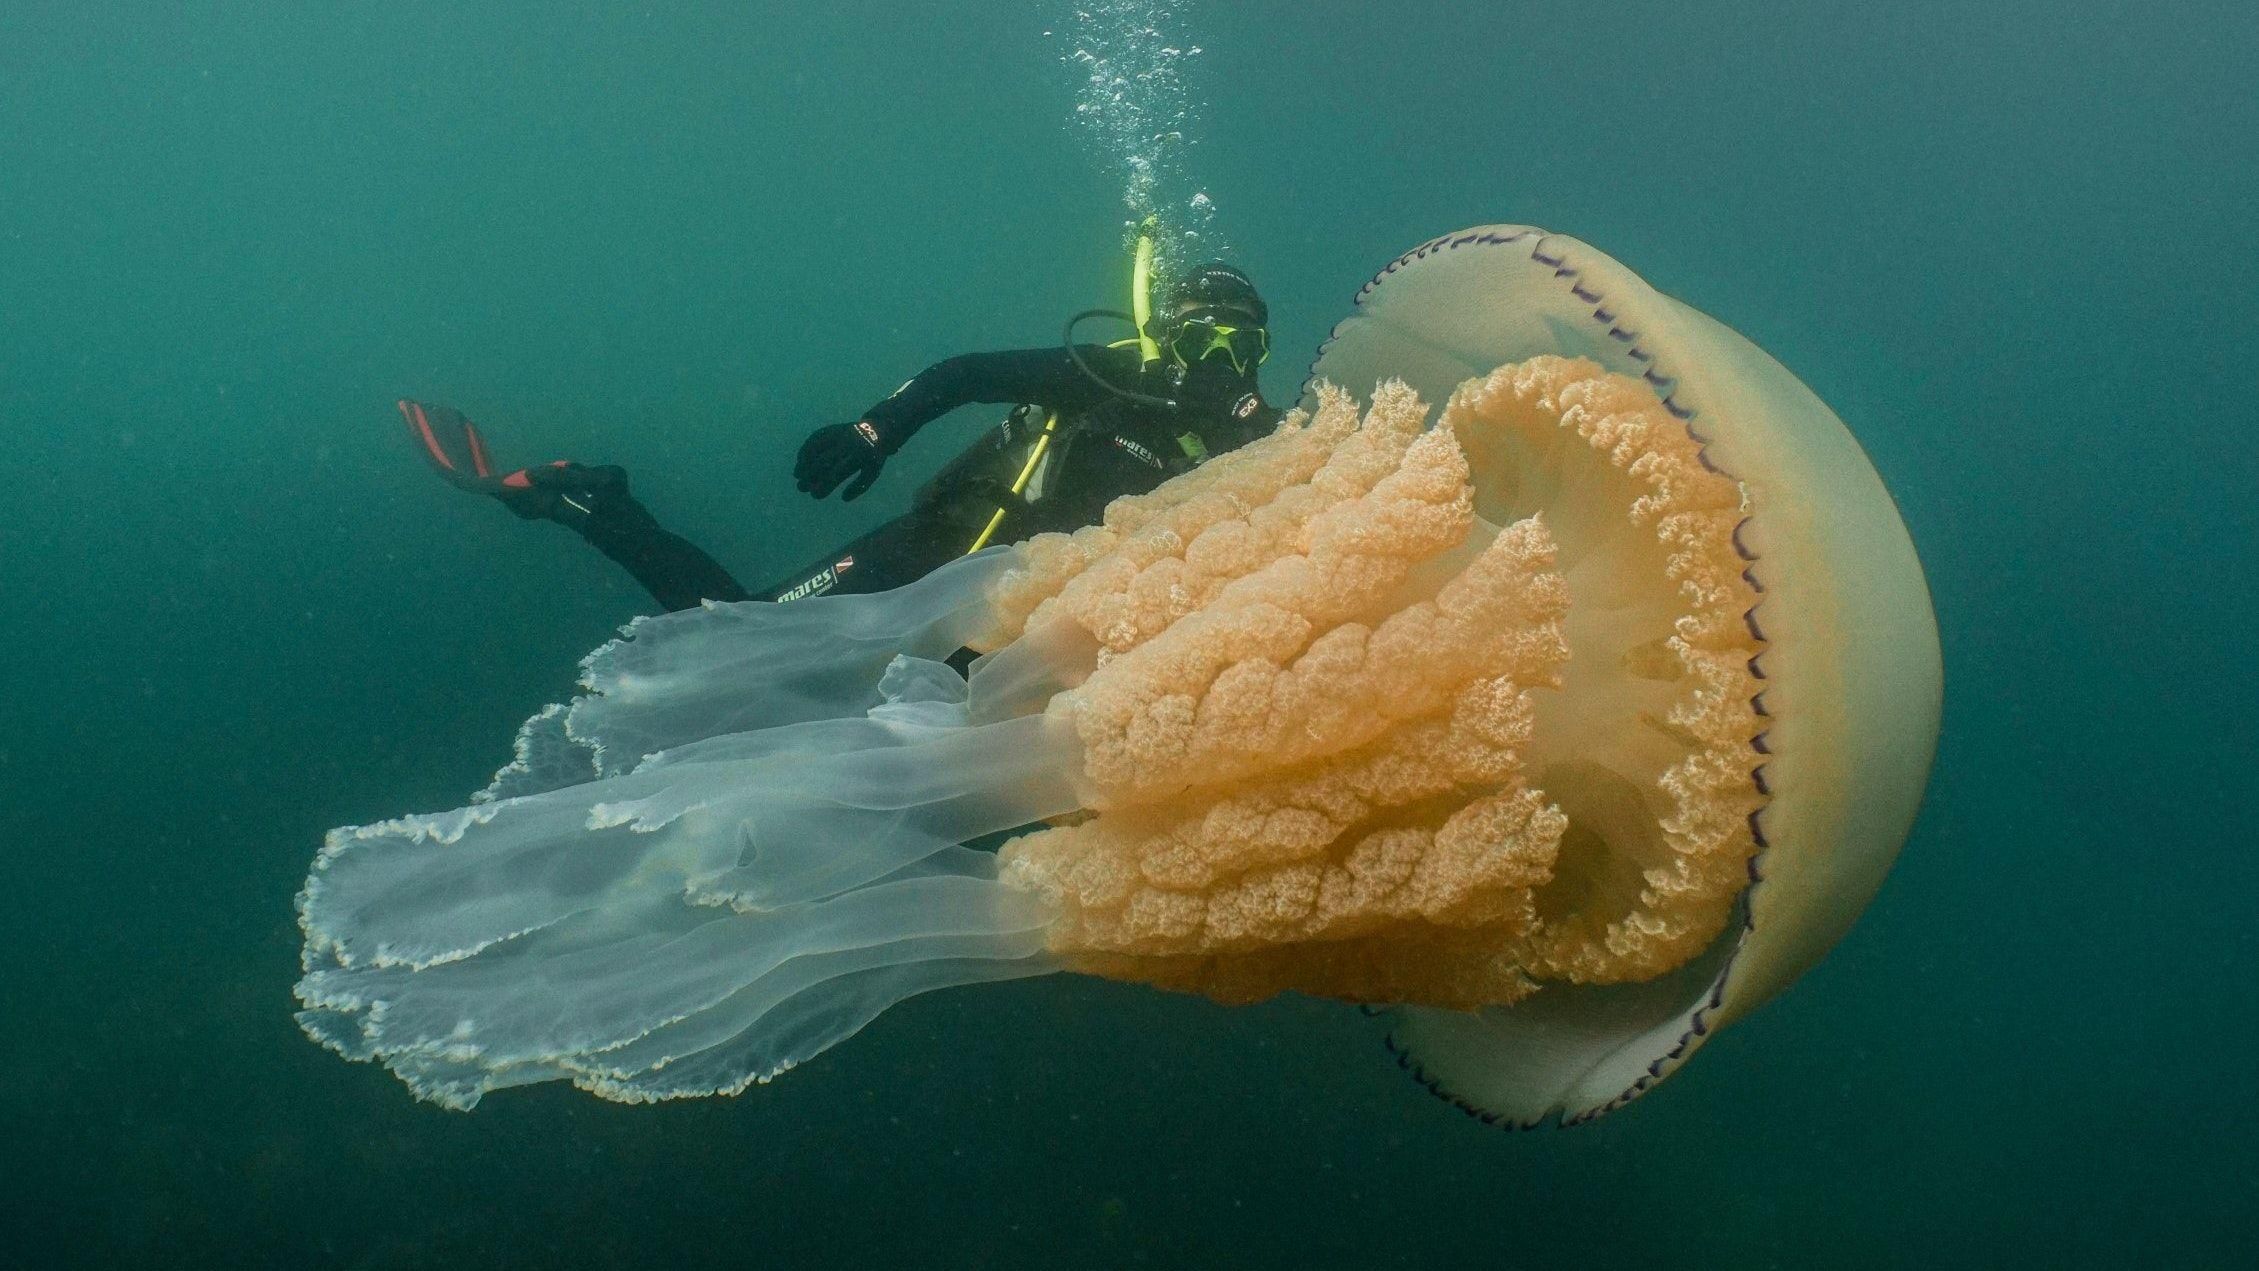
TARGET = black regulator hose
(1068,337)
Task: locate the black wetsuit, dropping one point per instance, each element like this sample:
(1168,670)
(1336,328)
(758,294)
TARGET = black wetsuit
(1105,446)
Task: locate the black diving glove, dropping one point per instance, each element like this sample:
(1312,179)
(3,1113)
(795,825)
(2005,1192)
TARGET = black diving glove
(836,452)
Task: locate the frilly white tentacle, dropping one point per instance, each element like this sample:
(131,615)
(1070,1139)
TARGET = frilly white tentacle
(736,850)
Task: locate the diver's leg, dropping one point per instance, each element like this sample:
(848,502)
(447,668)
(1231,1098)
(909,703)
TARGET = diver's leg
(895,554)
(592,502)
(595,504)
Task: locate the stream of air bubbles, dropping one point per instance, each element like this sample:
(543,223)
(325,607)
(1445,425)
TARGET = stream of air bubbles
(1135,112)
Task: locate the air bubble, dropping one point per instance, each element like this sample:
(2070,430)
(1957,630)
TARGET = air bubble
(1136,112)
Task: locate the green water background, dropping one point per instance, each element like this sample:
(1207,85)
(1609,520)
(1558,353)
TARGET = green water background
(2011,243)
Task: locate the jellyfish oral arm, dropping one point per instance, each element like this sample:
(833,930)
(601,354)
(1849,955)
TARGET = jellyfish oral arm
(711,913)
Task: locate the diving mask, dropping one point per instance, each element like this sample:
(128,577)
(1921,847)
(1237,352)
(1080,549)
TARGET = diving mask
(1198,337)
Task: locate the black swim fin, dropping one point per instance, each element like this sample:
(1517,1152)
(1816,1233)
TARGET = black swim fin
(560,490)
(452,444)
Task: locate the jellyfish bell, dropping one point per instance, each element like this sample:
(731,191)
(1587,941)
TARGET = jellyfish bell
(1489,722)
(1850,675)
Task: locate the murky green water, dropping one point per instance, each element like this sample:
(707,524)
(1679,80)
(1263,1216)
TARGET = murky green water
(2010,243)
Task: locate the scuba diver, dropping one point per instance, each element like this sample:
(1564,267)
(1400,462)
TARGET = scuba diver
(1091,423)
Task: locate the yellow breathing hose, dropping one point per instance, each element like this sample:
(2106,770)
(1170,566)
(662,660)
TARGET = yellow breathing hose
(1027,472)
(1141,311)
(1141,292)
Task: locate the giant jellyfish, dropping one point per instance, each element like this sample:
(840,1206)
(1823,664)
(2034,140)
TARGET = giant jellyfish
(1562,683)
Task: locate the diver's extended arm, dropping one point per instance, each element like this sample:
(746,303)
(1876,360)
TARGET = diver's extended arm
(1046,377)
